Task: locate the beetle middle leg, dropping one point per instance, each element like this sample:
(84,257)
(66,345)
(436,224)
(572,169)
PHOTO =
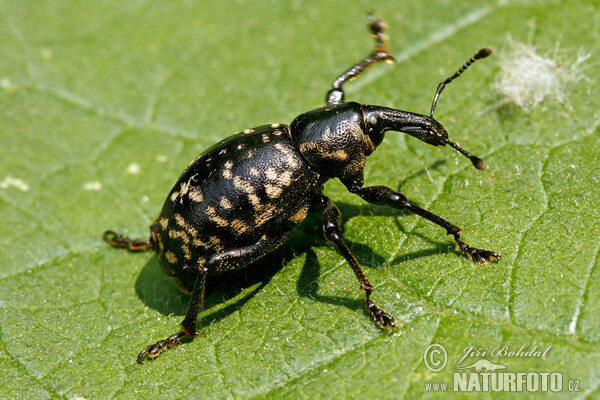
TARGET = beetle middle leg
(381,53)
(228,260)
(331,226)
(384,196)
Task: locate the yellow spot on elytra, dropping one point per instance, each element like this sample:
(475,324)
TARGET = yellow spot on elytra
(227,171)
(285,179)
(253,171)
(281,179)
(173,234)
(223,152)
(248,131)
(241,146)
(186,252)
(255,201)
(183,189)
(196,195)
(239,226)
(225,203)
(188,228)
(289,157)
(273,191)
(199,243)
(265,138)
(239,183)
(212,215)
(275,126)
(163,222)
(170,257)
(271,173)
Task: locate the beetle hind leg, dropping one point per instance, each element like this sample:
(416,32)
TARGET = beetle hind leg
(331,226)
(380,54)
(228,260)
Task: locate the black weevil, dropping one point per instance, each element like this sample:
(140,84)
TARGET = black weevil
(239,200)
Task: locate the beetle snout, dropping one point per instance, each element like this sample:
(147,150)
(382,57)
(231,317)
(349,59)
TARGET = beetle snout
(430,131)
(438,135)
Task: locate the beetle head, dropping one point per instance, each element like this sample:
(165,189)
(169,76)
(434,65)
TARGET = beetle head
(379,120)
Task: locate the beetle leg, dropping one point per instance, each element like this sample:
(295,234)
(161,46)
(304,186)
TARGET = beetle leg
(381,53)
(155,349)
(225,261)
(384,196)
(331,226)
(122,241)
(196,303)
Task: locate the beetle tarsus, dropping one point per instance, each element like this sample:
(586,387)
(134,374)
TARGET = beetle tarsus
(382,318)
(479,256)
(118,240)
(155,349)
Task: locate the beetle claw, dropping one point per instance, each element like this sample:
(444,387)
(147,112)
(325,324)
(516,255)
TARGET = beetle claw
(479,256)
(482,256)
(384,320)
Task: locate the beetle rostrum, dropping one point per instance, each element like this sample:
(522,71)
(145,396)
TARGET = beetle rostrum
(240,199)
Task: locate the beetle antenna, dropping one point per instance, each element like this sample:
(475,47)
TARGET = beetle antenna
(477,162)
(483,53)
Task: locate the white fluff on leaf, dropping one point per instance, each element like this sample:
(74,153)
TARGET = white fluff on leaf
(527,78)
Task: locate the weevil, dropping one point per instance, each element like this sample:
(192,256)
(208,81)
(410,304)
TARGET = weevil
(240,199)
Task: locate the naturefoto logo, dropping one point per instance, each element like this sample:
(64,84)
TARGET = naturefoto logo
(474,373)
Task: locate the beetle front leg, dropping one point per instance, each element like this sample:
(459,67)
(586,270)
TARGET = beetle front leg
(331,226)
(384,196)
(225,261)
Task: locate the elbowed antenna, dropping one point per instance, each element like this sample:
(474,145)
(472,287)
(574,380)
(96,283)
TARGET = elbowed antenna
(483,53)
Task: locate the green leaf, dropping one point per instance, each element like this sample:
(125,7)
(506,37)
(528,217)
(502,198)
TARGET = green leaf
(103,105)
